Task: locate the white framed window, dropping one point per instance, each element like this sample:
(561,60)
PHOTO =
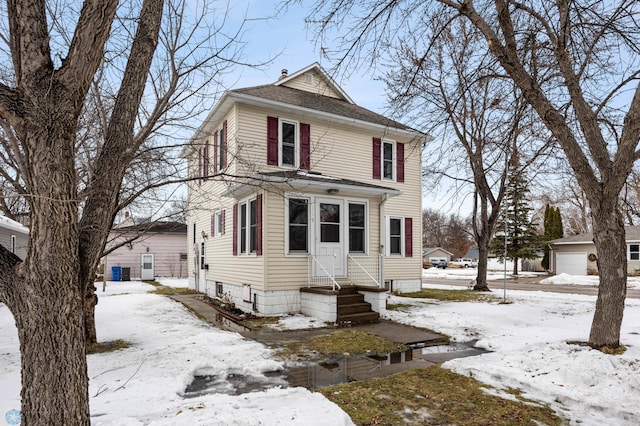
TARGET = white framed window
(388,159)
(357,227)
(633,252)
(297,225)
(288,143)
(13,244)
(248,226)
(395,236)
(218,225)
(219,154)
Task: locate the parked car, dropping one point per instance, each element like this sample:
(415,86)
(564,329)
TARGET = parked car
(442,264)
(465,263)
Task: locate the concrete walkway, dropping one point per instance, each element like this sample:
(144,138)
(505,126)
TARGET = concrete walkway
(426,348)
(397,333)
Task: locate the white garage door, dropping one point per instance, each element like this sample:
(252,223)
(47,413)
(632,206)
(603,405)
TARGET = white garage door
(571,263)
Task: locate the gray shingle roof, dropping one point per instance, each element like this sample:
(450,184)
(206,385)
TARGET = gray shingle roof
(317,102)
(632,233)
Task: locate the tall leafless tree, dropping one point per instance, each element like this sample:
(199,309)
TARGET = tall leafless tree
(57,55)
(576,62)
(475,115)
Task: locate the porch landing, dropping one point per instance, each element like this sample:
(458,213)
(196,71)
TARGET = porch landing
(349,305)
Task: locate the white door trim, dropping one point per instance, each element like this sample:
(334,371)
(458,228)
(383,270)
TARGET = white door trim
(331,252)
(147,269)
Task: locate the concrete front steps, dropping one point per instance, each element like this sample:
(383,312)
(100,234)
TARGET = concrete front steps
(352,309)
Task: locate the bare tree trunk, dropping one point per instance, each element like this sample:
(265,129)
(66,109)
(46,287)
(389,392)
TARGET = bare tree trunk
(117,153)
(483,255)
(89,309)
(609,238)
(46,296)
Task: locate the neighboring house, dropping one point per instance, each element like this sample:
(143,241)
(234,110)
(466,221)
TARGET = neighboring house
(576,255)
(156,249)
(300,192)
(472,253)
(14,236)
(432,254)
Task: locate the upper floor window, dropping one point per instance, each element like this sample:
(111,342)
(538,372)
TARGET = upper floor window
(288,143)
(220,148)
(13,244)
(388,160)
(634,252)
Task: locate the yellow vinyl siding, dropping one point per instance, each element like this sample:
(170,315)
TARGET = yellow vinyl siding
(336,150)
(312,82)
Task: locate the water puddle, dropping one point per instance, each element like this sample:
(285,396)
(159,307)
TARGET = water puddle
(330,371)
(233,384)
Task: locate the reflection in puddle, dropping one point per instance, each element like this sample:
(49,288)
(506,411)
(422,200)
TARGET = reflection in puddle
(233,384)
(343,370)
(329,372)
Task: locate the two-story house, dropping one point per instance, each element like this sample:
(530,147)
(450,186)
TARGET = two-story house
(301,196)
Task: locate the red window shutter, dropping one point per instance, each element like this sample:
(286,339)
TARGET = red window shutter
(215,152)
(223,146)
(408,237)
(305,146)
(200,166)
(377,147)
(259,225)
(272,141)
(213,225)
(400,162)
(222,224)
(235,230)
(206,158)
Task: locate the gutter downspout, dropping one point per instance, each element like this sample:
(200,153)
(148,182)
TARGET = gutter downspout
(382,239)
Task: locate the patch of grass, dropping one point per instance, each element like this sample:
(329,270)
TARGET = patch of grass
(612,351)
(451,295)
(398,306)
(434,396)
(345,343)
(168,291)
(619,350)
(260,322)
(112,346)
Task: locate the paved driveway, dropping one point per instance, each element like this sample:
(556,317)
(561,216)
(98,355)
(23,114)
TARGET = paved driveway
(531,284)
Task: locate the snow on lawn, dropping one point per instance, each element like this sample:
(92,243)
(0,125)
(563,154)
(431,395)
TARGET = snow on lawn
(530,351)
(588,280)
(174,282)
(145,384)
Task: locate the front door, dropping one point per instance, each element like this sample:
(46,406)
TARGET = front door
(330,241)
(147,266)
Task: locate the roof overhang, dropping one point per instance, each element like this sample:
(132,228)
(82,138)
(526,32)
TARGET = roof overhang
(306,182)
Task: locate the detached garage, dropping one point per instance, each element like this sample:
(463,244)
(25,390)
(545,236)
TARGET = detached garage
(571,263)
(576,255)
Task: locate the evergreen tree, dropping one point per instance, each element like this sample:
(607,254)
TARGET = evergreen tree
(522,239)
(553,229)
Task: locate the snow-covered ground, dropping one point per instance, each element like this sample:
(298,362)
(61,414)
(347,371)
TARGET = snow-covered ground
(496,271)
(145,384)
